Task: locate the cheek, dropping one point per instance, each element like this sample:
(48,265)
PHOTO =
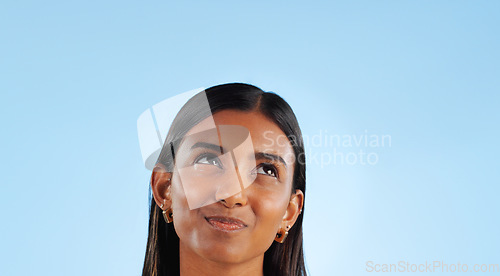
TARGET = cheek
(269,214)
(269,200)
(185,227)
(269,210)
(184,218)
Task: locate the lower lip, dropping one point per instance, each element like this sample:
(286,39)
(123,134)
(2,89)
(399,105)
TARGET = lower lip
(225,226)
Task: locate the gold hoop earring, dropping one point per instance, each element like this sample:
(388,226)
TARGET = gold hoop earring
(168,216)
(281,235)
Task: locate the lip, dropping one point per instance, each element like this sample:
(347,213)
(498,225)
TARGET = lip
(225,224)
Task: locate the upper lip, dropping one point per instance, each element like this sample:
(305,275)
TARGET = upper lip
(226,219)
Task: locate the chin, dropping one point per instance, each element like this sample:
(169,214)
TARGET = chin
(224,253)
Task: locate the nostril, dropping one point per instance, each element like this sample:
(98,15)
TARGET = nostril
(223,201)
(222,196)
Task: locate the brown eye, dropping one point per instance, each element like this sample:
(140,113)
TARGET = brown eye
(208,159)
(267,169)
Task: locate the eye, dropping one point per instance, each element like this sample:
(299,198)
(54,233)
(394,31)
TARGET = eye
(267,169)
(208,159)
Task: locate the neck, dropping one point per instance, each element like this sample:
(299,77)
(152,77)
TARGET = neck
(191,264)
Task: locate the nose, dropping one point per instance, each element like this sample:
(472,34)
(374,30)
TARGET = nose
(238,199)
(232,193)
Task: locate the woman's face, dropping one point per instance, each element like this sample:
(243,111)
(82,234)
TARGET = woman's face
(229,197)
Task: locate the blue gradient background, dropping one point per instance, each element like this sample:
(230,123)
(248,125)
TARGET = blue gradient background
(75,76)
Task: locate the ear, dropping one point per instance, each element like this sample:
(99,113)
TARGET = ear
(160,186)
(293,210)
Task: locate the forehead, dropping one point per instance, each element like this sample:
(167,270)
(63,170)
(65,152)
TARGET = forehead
(266,135)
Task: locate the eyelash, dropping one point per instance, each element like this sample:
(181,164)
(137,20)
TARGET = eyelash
(212,157)
(269,166)
(209,157)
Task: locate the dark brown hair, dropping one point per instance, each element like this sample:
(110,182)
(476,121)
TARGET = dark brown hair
(162,251)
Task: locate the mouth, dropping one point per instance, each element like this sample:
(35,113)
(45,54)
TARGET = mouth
(225,224)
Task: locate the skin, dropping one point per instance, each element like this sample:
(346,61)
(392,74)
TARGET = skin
(265,206)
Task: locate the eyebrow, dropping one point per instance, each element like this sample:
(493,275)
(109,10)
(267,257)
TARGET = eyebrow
(270,156)
(209,146)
